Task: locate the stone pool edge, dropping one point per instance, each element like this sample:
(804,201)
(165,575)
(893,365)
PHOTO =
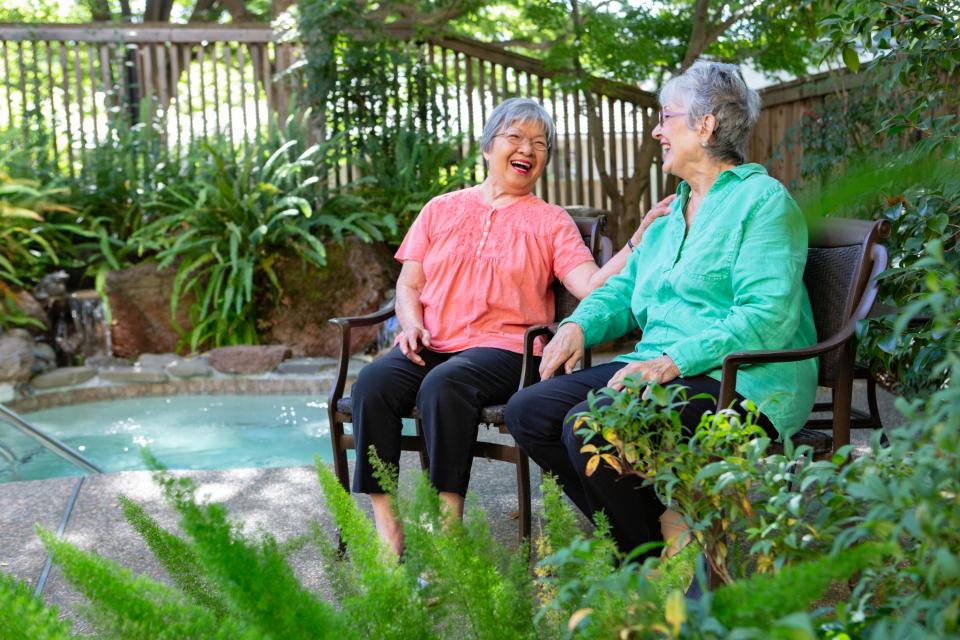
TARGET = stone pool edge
(319,385)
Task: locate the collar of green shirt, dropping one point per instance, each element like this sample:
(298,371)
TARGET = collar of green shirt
(739,172)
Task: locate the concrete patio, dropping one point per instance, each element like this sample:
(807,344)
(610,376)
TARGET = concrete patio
(279,501)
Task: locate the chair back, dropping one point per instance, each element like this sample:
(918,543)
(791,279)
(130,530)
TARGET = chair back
(843,260)
(592,228)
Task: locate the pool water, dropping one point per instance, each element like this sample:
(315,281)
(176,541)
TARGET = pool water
(183,432)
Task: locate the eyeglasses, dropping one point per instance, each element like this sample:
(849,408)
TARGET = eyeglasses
(664,115)
(515,139)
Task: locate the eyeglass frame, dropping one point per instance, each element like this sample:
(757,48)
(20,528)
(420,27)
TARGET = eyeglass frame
(520,140)
(664,114)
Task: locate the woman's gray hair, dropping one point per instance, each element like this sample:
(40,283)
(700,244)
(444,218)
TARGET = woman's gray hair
(718,89)
(518,109)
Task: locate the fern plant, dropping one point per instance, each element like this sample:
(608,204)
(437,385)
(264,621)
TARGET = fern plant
(228,225)
(454,582)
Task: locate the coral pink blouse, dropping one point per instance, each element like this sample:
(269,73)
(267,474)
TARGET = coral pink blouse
(488,271)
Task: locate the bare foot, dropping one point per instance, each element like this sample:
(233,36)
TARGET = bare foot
(388,527)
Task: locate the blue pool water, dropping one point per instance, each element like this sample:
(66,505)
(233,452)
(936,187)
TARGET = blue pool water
(183,432)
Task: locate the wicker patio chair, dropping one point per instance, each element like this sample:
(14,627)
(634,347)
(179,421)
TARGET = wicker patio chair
(843,262)
(591,223)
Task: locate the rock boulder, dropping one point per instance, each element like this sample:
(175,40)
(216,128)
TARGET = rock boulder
(16,356)
(29,305)
(247,359)
(357,280)
(140,304)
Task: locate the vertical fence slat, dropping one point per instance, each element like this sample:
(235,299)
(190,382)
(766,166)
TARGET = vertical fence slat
(227,60)
(175,95)
(48,49)
(241,73)
(6,83)
(591,180)
(66,105)
(216,87)
(203,87)
(78,81)
(91,49)
(268,87)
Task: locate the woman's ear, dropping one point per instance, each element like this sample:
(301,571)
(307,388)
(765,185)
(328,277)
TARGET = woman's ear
(707,126)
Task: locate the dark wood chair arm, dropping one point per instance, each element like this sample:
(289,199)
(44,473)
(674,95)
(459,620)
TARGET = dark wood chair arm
(528,373)
(380,315)
(728,378)
(343,358)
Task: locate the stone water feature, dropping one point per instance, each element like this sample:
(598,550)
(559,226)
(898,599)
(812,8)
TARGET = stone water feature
(77,325)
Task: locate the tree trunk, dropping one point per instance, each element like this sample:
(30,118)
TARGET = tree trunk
(625,206)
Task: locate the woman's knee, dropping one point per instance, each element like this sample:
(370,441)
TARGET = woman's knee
(521,413)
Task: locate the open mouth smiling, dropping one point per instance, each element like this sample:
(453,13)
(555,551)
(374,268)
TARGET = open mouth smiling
(521,166)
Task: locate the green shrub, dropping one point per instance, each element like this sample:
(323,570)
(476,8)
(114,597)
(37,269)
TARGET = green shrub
(406,169)
(227,227)
(24,616)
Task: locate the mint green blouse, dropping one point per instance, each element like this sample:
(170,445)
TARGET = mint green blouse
(733,283)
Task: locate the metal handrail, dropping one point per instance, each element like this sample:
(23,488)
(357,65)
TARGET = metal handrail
(48,441)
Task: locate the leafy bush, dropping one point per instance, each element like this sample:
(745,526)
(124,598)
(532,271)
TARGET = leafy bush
(455,581)
(403,171)
(907,121)
(227,226)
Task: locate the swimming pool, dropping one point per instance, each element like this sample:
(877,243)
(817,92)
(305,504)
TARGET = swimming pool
(183,432)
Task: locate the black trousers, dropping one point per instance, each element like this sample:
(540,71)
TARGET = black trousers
(449,393)
(540,418)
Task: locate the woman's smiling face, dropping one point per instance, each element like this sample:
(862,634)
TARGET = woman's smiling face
(518,156)
(680,144)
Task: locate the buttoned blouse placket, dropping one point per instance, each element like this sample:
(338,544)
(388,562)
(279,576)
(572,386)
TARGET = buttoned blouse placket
(487,219)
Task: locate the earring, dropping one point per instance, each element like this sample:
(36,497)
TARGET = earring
(704,144)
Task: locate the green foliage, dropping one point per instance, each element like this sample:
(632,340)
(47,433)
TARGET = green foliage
(897,138)
(793,588)
(227,227)
(176,556)
(24,616)
(406,170)
(24,206)
(253,576)
(750,511)
(127,606)
(370,577)
(647,42)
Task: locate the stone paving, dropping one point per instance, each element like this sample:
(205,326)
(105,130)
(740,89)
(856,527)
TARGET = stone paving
(282,502)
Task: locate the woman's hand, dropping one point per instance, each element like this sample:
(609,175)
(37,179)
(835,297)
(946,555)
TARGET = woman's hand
(565,349)
(659,370)
(662,208)
(411,341)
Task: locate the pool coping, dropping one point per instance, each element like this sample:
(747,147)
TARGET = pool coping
(319,385)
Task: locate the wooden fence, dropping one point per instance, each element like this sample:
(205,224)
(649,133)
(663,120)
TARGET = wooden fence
(229,80)
(784,106)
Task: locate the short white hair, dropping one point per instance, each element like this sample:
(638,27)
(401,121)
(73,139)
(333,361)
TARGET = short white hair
(719,89)
(518,110)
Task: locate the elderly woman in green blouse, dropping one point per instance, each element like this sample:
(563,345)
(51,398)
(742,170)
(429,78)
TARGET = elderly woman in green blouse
(720,273)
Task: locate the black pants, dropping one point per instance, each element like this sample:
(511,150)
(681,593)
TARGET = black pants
(540,418)
(449,393)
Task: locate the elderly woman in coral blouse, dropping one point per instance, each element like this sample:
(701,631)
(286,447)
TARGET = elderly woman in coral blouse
(477,269)
(721,272)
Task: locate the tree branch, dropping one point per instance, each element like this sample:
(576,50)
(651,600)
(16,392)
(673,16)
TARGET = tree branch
(698,34)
